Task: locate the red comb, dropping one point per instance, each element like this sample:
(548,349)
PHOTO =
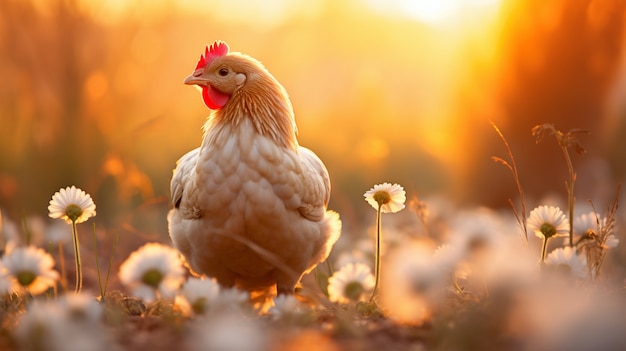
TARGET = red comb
(217,49)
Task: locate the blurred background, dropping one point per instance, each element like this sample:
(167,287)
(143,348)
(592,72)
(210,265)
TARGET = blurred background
(383,90)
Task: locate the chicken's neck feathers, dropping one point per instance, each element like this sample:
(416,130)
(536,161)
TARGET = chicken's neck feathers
(266,104)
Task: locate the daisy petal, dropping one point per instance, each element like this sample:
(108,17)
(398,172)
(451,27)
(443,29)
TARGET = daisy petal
(72,204)
(390,197)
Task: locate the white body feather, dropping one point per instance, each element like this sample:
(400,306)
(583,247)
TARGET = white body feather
(250,212)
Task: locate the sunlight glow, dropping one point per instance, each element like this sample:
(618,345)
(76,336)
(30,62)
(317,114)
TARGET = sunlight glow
(373,82)
(433,12)
(272,12)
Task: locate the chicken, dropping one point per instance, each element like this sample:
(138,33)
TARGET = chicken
(250,204)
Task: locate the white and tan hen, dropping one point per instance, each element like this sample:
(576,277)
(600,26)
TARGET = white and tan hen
(250,204)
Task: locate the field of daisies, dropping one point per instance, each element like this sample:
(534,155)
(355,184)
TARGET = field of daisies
(428,275)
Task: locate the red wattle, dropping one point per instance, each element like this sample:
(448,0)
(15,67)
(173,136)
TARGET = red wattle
(214,99)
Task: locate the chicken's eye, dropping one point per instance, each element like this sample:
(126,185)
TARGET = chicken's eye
(223,72)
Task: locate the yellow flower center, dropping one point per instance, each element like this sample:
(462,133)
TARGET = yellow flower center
(73,212)
(353,291)
(382,197)
(26,278)
(152,278)
(548,230)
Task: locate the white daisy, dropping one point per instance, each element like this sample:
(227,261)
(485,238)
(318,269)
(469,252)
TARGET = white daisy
(227,332)
(586,222)
(6,283)
(40,326)
(389,197)
(31,269)
(565,261)
(350,283)
(414,283)
(484,251)
(153,269)
(71,324)
(590,223)
(475,232)
(200,294)
(547,221)
(72,205)
(81,307)
(286,308)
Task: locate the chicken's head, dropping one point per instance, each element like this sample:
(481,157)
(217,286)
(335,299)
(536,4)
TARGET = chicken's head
(218,75)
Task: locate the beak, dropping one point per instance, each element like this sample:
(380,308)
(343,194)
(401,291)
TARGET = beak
(196,78)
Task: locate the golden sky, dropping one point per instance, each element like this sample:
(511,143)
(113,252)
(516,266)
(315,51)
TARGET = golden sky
(383,90)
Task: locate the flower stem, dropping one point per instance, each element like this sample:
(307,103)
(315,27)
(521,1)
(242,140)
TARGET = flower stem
(544,250)
(377,257)
(79,272)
